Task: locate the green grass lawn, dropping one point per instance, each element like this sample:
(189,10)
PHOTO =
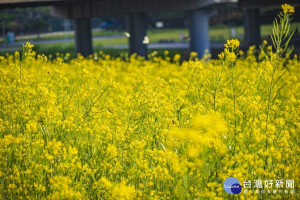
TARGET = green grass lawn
(155,35)
(217,34)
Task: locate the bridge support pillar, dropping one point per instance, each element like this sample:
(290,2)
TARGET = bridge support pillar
(137,30)
(83,36)
(199,31)
(252,26)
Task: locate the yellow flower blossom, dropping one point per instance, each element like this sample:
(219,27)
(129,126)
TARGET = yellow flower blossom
(127,127)
(287,8)
(232,44)
(123,191)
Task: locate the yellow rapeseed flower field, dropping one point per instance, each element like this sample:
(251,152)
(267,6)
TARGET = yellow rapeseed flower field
(130,128)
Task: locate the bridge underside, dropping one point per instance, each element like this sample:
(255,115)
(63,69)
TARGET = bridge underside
(119,6)
(82,10)
(198,18)
(199,12)
(115,7)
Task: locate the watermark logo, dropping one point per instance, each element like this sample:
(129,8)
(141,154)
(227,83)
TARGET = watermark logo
(232,186)
(269,186)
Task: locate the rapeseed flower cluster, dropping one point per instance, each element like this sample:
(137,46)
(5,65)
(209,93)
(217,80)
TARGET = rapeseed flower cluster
(229,55)
(232,44)
(288,8)
(130,128)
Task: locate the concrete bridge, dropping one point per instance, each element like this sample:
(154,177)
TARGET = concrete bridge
(199,12)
